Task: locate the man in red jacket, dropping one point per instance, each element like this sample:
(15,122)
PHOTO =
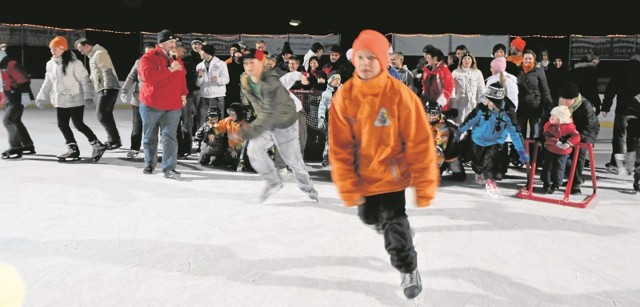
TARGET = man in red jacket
(162,95)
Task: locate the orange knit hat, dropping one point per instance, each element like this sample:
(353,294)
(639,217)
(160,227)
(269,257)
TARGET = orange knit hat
(519,43)
(375,42)
(59,42)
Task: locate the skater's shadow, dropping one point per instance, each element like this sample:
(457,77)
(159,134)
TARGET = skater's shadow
(221,262)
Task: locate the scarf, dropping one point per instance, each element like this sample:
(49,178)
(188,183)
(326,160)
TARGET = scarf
(576,104)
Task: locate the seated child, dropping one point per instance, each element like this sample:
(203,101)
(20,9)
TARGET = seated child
(446,151)
(560,135)
(231,124)
(214,144)
(491,124)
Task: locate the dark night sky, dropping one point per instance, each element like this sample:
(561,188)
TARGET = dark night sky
(323,17)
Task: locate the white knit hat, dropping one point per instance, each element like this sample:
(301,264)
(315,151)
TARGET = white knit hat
(563,114)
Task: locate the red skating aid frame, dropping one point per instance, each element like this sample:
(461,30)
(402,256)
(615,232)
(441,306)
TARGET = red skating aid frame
(527,192)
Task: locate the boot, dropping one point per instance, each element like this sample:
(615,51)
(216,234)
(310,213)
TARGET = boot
(636,180)
(73,153)
(98,150)
(411,284)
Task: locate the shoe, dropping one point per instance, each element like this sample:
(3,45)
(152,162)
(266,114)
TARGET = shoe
(552,189)
(576,191)
(479,179)
(546,188)
(411,284)
(147,170)
(28,150)
(132,153)
(269,190)
(171,174)
(109,145)
(313,194)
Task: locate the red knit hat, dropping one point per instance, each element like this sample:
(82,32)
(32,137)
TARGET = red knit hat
(375,42)
(519,43)
(59,42)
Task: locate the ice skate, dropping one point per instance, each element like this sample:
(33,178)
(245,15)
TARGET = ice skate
(132,153)
(12,154)
(269,190)
(240,166)
(28,150)
(411,284)
(611,168)
(313,194)
(480,179)
(98,150)
(111,145)
(492,188)
(636,181)
(72,154)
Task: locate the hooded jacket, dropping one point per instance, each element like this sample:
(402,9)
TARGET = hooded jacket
(380,141)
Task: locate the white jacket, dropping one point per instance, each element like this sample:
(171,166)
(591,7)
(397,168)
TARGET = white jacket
(468,90)
(68,90)
(213,89)
(288,80)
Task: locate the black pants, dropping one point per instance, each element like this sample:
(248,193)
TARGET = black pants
(486,161)
(76,114)
(104,113)
(577,179)
(553,168)
(617,140)
(18,135)
(388,211)
(136,128)
(633,142)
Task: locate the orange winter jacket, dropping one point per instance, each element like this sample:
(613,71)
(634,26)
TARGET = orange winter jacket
(380,141)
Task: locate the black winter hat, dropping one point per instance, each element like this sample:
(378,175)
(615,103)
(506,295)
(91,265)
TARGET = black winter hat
(286,48)
(235,45)
(238,109)
(497,47)
(209,49)
(165,35)
(569,90)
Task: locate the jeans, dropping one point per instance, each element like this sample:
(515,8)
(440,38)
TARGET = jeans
(136,128)
(553,168)
(104,113)
(388,210)
(18,135)
(152,120)
(286,142)
(76,114)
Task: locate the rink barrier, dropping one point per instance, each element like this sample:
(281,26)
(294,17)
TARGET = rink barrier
(527,191)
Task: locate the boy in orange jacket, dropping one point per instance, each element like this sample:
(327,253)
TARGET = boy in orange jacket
(380,143)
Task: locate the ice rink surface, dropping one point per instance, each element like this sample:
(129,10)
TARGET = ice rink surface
(104,234)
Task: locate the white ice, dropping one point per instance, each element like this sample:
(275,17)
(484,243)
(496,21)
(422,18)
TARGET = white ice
(83,234)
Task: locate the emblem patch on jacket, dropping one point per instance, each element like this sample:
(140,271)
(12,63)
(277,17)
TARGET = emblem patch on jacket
(383,118)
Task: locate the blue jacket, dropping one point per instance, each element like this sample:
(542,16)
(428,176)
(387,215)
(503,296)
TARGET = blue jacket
(491,127)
